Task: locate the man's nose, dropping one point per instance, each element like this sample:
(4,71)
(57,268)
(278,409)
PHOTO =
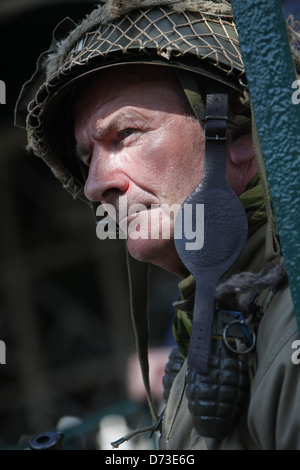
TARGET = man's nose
(105,178)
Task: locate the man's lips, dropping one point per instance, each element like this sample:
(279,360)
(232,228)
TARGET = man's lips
(129,217)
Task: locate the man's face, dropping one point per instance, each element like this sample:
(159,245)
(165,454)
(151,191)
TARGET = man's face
(142,145)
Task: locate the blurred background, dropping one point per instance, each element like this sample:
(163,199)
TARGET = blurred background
(64,304)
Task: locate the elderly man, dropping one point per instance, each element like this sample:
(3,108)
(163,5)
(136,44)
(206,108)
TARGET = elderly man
(139,139)
(144,106)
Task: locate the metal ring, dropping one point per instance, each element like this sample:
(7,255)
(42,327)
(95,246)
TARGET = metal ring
(246,351)
(245,85)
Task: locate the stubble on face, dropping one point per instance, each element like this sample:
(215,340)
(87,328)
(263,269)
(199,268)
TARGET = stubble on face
(165,163)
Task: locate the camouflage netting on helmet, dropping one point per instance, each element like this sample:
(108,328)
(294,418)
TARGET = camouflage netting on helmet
(172,31)
(112,10)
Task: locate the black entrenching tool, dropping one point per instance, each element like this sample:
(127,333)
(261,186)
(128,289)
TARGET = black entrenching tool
(225,228)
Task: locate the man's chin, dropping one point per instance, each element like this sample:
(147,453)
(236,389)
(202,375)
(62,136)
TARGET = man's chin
(144,250)
(161,253)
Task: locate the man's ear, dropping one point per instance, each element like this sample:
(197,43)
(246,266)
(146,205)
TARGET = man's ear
(241,161)
(240,146)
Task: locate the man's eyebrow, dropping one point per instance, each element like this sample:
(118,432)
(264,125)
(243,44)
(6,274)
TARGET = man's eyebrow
(117,120)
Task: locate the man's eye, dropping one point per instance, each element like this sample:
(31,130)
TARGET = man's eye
(126,133)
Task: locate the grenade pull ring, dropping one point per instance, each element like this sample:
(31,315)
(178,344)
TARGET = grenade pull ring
(249,333)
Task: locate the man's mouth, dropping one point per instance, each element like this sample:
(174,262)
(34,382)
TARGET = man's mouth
(130,216)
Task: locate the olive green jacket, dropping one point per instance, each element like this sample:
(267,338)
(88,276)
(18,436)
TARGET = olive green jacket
(272,419)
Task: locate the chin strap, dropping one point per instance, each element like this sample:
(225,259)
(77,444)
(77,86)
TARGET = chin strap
(225,227)
(138,274)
